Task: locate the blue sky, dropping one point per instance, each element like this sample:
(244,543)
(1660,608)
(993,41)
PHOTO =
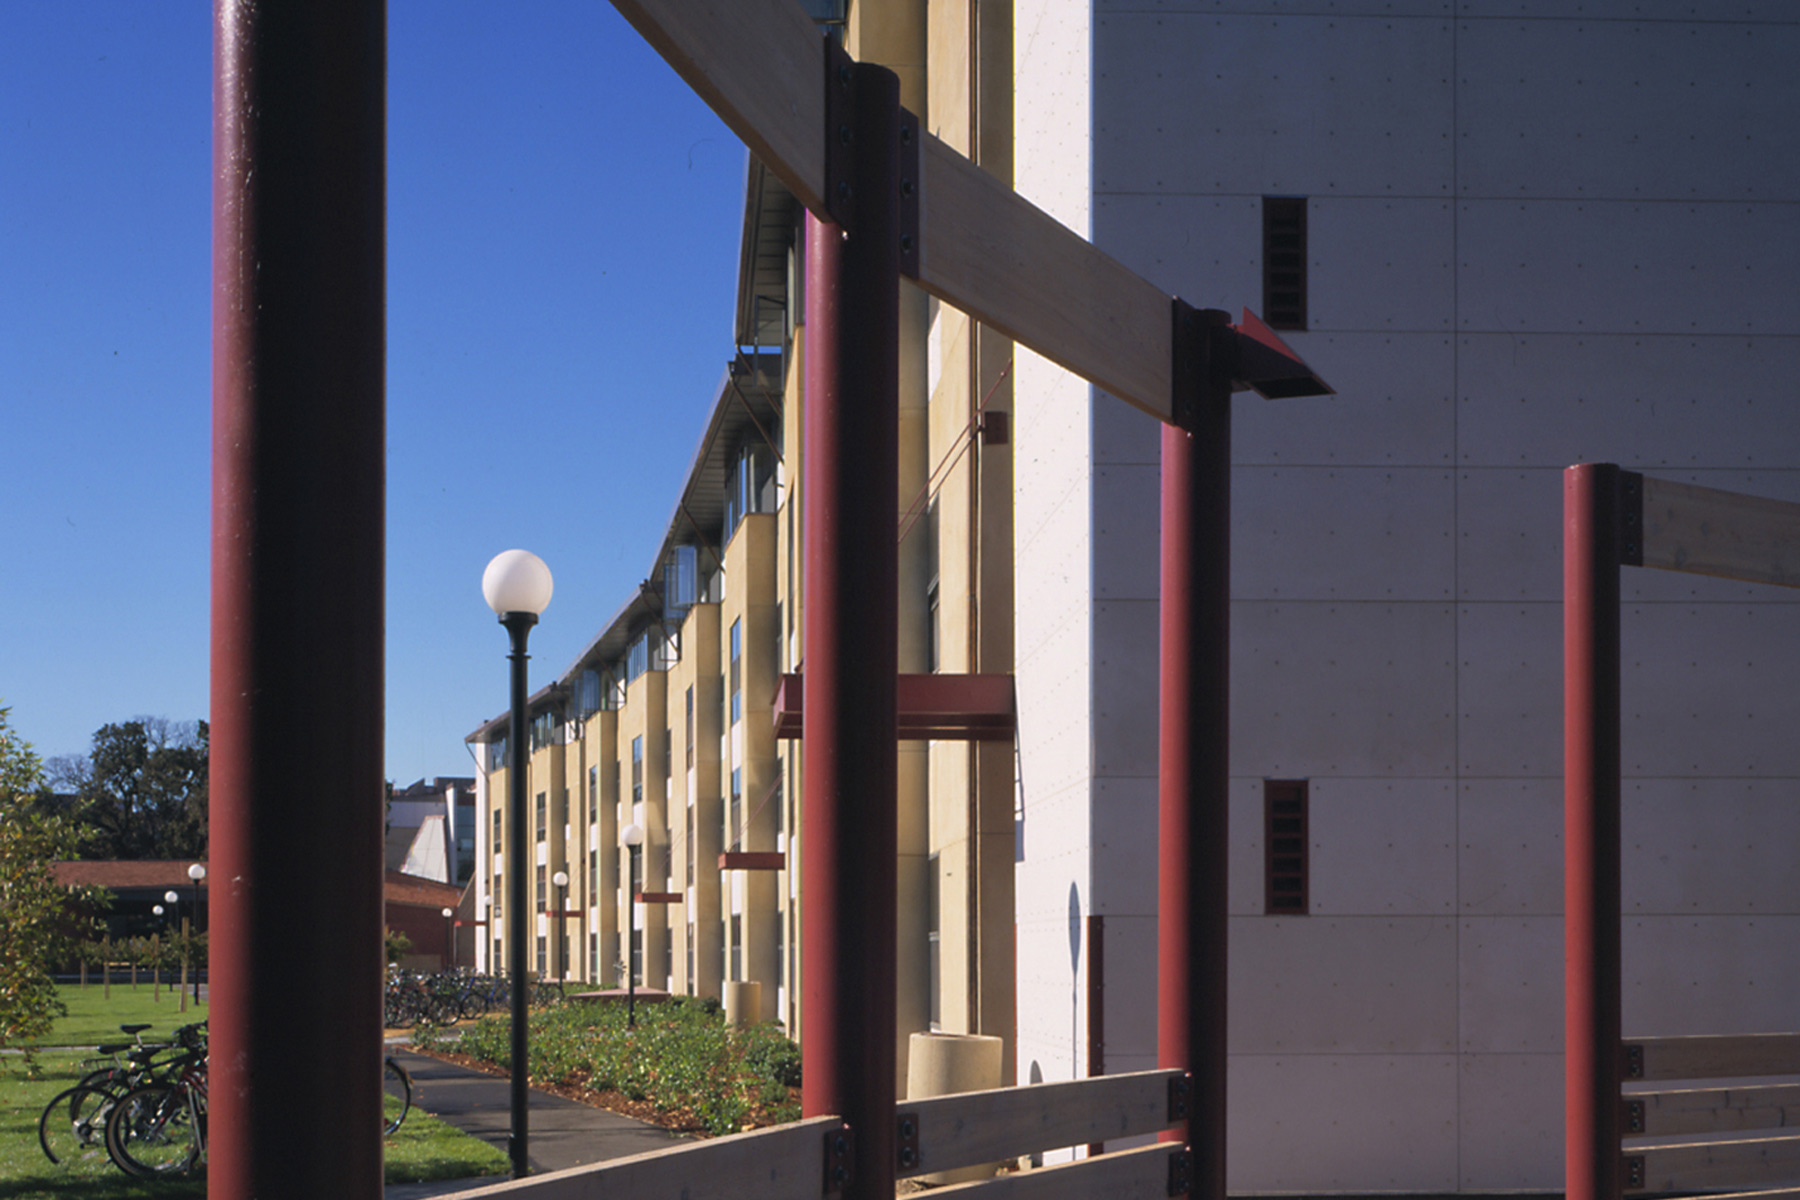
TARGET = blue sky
(563,224)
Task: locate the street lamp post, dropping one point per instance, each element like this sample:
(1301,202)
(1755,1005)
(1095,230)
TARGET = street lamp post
(517,586)
(173,899)
(561,880)
(156,955)
(196,872)
(449,938)
(633,837)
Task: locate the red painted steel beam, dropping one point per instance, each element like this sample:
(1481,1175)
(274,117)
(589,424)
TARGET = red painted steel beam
(938,707)
(753,860)
(1193,852)
(851,484)
(1593,1059)
(297,598)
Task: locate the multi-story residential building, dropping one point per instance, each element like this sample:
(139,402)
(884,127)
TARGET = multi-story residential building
(1513,237)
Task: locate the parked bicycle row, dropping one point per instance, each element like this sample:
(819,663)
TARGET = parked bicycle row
(143,1106)
(446,997)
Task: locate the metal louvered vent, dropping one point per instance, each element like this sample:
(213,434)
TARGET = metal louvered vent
(1285,858)
(1284,262)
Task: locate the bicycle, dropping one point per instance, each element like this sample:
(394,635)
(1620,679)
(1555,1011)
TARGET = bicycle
(396,1095)
(71,1129)
(158,1129)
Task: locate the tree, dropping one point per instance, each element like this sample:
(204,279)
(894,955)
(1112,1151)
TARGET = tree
(143,789)
(38,911)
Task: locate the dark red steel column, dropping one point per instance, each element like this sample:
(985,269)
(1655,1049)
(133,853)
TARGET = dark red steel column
(1591,922)
(1194,697)
(848,868)
(297,598)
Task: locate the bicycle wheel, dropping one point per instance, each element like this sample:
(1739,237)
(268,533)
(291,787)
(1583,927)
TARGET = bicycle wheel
(72,1131)
(151,1131)
(396,1102)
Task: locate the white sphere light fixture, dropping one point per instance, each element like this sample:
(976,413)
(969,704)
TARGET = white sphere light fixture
(517,581)
(197,872)
(560,879)
(632,834)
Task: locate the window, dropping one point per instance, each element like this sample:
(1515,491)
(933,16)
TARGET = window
(737,675)
(737,946)
(776,797)
(751,487)
(542,802)
(637,770)
(1285,856)
(690,959)
(593,879)
(593,971)
(1284,262)
(540,958)
(497,831)
(934,625)
(933,894)
(690,727)
(540,889)
(499,891)
(734,813)
(681,581)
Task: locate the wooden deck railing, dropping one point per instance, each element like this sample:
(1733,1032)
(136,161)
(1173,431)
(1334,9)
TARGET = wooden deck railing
(801,1161)
(1728,1160)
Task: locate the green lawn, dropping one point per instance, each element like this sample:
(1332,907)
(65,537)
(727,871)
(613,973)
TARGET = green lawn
(93,1018)
(425,1148)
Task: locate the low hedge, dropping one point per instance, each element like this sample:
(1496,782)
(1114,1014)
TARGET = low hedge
(681,1059)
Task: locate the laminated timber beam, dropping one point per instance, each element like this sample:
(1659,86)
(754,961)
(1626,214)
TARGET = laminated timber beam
(982,247)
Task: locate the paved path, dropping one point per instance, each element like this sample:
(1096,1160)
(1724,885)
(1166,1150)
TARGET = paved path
(563,1133)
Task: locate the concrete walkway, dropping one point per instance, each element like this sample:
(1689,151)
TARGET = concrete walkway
(563,1133)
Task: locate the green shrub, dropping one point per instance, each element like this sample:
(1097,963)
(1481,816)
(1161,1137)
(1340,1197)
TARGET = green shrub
(680,1058)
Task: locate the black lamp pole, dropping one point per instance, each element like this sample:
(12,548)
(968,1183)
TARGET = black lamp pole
(518,624)
(631,946)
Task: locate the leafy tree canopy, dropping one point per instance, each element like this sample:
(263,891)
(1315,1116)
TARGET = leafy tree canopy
(37,911)
(142,790)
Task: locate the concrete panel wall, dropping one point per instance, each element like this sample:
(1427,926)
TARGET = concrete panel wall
(1536,238)
(1053,549)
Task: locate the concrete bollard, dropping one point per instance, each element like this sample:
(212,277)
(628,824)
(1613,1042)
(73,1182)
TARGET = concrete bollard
(743,1002)
(943,1064)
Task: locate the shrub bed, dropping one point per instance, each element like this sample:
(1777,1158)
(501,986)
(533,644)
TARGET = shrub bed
(681,1061)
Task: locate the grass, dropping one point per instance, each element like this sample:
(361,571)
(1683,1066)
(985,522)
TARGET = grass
(93,1018)
(424,1148)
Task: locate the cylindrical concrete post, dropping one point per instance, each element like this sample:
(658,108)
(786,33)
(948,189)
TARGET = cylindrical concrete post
(743,1002)
(945,1064)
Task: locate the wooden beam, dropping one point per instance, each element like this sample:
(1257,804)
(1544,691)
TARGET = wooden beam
(1712,1110)
(981,1127)
(779,1163)
(1711,1166)
(758,64)
(1140,1174)
(982,247)
(1705,531)
(1713,1056)
(993,254)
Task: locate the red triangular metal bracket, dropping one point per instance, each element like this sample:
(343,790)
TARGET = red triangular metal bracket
(1269,367)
